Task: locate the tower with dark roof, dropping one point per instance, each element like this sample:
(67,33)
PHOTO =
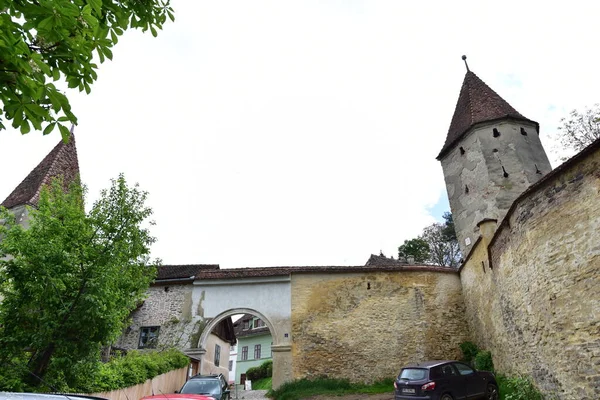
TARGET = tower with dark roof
(60,162)
(492,154)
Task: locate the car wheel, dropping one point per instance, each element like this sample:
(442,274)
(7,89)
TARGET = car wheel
(492,392)
(446,397)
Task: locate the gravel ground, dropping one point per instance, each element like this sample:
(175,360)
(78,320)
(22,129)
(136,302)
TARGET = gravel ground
(250,395)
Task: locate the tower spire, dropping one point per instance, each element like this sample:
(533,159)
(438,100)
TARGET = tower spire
(466,65)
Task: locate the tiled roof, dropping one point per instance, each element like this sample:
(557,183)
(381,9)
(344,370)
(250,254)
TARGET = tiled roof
(61,161)
(476,103)
(238,327)
(183,271)
(234,273)
(382,260)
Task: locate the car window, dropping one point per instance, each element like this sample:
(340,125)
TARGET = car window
(463,369)
(413,374)
(443,371)
(202,386)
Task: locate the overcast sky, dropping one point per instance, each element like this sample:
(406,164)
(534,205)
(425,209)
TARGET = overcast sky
(305,132)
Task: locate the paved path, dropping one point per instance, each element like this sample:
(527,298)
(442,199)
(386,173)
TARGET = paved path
(249,395)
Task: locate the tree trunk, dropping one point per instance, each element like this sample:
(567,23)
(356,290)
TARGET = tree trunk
(39,365)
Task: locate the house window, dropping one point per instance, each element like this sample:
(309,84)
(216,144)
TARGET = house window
(256,351)
(148,337)
(258,323)
(246,325)
(231,365)
(217,355)
(244,353)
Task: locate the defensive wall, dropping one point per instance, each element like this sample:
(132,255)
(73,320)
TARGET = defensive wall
(531,283)
(365,325)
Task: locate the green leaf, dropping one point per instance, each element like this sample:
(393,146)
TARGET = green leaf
(46,24)
(96,5)
(49,128)
(108,53)
(25,128)
(64,132)
(153,30)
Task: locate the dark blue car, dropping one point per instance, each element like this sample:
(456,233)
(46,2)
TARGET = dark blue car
(444,380)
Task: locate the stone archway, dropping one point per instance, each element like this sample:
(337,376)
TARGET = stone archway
(282,365)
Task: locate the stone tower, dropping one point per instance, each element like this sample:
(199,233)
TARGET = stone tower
(61,161)
(492,154)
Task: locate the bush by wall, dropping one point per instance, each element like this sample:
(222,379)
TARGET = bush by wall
(517,388)
(134,368)
(94,376)
(264,370)
(483,361)
(469,350)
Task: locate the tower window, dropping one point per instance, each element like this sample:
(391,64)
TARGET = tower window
(523,131)
(462,151)
(495,151)
(504,172)
(466,189)
(495,132)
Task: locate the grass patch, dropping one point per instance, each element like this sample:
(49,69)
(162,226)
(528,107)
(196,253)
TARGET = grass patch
(263,384)
(300,388)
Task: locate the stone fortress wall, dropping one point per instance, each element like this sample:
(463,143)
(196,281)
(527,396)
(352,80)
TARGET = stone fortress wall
(531,287)
(364,326)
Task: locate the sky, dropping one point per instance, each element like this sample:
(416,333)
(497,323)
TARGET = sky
(276,133)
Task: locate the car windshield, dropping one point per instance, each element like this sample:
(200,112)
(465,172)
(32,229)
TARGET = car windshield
(201,386)
(413,374)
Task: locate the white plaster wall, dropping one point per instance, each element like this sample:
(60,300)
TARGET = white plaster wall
(271,296)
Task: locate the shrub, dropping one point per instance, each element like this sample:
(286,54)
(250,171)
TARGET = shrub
(132,369)
(469,350)
(265,370)
(518,388)
(483,361)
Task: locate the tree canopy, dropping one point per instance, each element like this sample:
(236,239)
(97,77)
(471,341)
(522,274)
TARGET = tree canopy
(55,40)
(580,129)
(437,245)
(69,281)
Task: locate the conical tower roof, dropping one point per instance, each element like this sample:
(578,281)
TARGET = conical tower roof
(476,103)
(61,161)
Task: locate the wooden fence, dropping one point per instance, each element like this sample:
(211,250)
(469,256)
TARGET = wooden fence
(165,383)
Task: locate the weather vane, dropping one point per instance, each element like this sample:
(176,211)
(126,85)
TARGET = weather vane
(466,65)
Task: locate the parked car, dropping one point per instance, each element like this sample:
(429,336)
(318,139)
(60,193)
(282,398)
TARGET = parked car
(45,396)
(444,380)
(177,396)
(214,386)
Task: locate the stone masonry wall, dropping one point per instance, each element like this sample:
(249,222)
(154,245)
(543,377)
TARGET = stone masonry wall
(365,326)
(170,307)
(538,307)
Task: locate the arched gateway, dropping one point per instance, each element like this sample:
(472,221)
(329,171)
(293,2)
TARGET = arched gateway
(258,292)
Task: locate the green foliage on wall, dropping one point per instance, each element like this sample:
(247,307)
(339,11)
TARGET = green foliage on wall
(469,350)
(264,370)
(483,361)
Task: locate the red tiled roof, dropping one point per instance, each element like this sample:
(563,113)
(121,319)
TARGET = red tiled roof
(183,272)
(476,103)
(234,273)
(61,161)
(238,327)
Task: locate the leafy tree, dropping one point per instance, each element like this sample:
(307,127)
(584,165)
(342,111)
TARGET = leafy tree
(437,245)
(45,40)
(581,128)
(415,249)
(70,279)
